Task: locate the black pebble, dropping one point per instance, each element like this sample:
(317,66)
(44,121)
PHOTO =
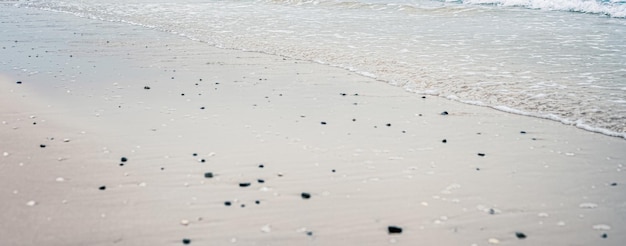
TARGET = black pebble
(477,169)
(19,82)
(424,97)
(353,119)
(182,94)
(305,195)
(42,145)
(604,235)
(523,132)
(121,164)
(243,205)
(261,166)
(388,124)
(257,202)
(333,170)
(124,159)
(186,241)
(444,141)
(195,154)
(492,211)
(244,184)
(227,203)
(146,87)
(208,175)
(102,187)
(201,107)
(394,229)
(613,184)
(260,181)
(520,235)
(444,113)
(343,94)
(309,233)
(323,122)
(481,154)
(203,160)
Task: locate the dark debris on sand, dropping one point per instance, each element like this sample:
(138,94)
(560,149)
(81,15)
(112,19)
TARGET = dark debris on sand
(394,229)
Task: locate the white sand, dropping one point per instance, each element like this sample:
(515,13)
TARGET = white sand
(556,184)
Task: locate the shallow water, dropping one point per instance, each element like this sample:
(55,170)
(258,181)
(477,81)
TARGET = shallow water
(560,60)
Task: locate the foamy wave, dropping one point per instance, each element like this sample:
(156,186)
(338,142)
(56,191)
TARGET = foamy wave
(613,8)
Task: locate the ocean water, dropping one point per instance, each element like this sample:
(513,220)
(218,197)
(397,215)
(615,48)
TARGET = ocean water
(563,60)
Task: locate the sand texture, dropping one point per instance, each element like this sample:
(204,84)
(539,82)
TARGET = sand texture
(121,135)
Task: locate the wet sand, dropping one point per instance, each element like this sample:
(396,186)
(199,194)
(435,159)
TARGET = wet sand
(123,135)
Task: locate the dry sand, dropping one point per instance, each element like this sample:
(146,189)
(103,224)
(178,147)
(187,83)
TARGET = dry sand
(368,155)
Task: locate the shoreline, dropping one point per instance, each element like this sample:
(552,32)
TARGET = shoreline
(269,129)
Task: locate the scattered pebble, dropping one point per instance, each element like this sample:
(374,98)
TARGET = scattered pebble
(257,202)
(42,146)
(19,82)
(227,203)
(613,184)
(208,175)
(102,187)
(146,87)
(604,235)
(394,229)
(481,154)
(309,233)
(388,124)
(588,205)
(266,228)
(260,181)
(124,159)
(261,166)
(444,141)
(186,241)
(520,235)
(305,195)
(601,227)
(444,113)
(244,184)
(523,132)
(323,122)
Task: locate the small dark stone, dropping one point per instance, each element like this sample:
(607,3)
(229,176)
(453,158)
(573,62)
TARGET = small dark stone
(444,113)
(244,184)
(481,154)
(34,123)
(203,160)
(388,124)
(195,154)
(343,94)
(356,94)
(444,141)
(492,211)
(124,159)
(121,164)
(323,122)
(604,235)
(42,145)
(523,132)
(146,87)
(394,229)
(227,203)
(19,82)
(613,184)
(208,175)
(423,97)
(243,205)
(186,241)
(201,107)
(534,139)
(102,187)
(182,94)
(333,170)
(353,119)
(309,233)
(305,195)
(520,235)
(478,169)
(257,202)
(260,181)
(261,166)
(172,77)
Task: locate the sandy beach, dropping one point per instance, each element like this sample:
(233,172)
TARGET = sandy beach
(113,134)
